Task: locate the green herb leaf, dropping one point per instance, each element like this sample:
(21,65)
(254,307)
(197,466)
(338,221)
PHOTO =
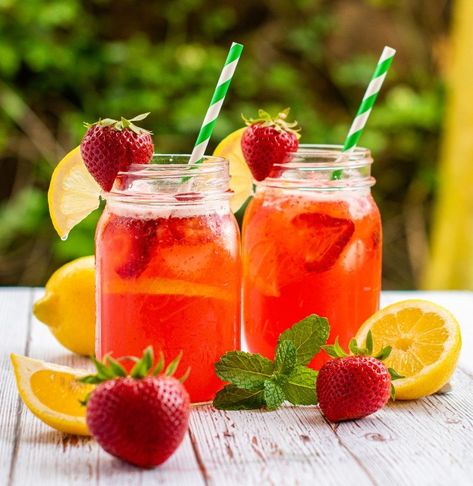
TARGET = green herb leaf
(245,370)
(273,395)
(308,335)
(233,398)
(285,357)
(300,387)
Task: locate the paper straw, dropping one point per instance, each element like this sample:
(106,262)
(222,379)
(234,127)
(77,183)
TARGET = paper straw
(216,103)
(367,103)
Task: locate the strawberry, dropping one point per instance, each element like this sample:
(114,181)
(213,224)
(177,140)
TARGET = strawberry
(140,418)
(352,387)
(267,141)
(110,146)
(326,238)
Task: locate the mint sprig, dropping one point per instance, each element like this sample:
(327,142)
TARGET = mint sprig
(257,382)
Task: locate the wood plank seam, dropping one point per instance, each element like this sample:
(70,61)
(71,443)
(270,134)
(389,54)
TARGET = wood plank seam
(198,457)
(344,446)
(19,406)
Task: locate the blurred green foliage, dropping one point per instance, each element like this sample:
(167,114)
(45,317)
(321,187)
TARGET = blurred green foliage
(66,61)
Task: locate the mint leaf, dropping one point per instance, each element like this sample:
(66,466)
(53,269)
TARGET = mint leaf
(245,370)
(285,357)
(300,386)
(233,398)
(273,395)
(308,336)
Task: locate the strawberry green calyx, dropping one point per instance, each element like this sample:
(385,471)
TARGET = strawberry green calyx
(111,369)
(122,124)
(279,122)
(336,351)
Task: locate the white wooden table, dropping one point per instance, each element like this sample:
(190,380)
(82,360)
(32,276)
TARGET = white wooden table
(427,442)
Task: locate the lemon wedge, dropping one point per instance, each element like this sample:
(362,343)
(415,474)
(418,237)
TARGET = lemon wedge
(241,182)
(73,193)
(425,340)
(52,393)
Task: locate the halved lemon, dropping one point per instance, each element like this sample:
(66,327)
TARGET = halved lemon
(73,193)
(425,340)
(52,393)
(241,182)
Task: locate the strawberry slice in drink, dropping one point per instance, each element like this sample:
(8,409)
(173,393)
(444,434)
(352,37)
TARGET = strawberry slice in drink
(132,240)
(327,237)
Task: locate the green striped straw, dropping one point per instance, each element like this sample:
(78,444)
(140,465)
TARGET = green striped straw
(216,103)
(366,105)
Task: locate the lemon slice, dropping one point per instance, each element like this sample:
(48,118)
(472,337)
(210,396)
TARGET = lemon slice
(241,182)
(52,393)
(166,286)
(425,340)
(73,193)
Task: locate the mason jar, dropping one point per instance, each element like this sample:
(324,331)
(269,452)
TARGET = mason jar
(311,244)
(168,267)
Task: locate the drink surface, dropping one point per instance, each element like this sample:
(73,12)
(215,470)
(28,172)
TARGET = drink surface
(309,253)
(171,280)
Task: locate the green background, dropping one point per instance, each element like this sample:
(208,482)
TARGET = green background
(63,62)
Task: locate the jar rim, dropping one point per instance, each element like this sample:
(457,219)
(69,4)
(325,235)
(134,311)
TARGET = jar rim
(209,164)
(327,156)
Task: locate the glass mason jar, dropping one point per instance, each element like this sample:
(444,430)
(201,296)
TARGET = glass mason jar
(311,244)
(168,267)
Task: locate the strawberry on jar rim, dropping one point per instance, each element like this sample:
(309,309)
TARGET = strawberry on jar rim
(353,386)
(140,417)
(268,141)
(110,146)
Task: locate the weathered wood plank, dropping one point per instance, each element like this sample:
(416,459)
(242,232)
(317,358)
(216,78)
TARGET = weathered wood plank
(14,324)
(287,446)
(49,457)
(423,442)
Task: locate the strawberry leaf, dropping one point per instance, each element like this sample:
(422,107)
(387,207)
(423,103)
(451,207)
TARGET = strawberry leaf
(308,335)
(233,398)
(116,367)
(172,366)
(273,395)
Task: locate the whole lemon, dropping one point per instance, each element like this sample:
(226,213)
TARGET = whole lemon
(68,305)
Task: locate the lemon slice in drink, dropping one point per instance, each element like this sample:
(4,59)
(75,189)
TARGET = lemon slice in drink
(425,340)
(52,393)
(73,193)
(241,182)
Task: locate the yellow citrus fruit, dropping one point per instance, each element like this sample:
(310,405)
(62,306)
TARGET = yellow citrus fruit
(241,182)
(52,393)
(425,340)
(73,193)
(68,305)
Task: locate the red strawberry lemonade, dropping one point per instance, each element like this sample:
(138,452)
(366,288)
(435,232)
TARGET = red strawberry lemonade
(311,245)
(169,270)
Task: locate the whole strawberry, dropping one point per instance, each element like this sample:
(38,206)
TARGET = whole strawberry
(352,387)
(110,146)
(268,141)
(141,418)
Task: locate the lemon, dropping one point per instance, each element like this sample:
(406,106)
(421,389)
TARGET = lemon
(52,393)
(241,182)
(73,193)
(68,305)
(425,340)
